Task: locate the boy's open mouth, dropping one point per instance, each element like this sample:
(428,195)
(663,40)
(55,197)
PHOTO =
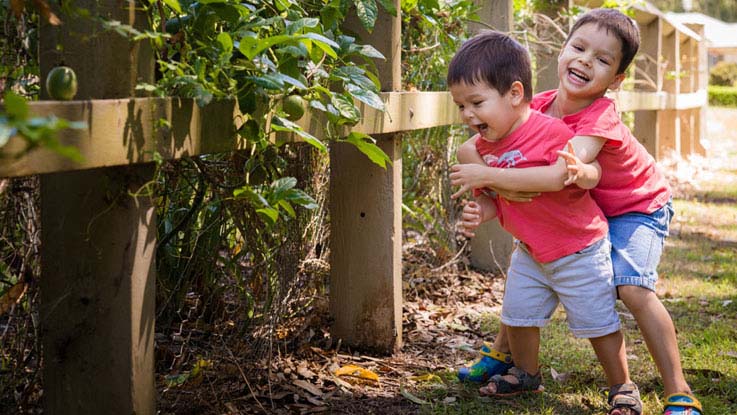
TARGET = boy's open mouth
(481,128)
(578,75)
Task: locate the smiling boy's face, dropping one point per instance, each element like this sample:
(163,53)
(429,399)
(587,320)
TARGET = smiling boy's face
(487,112)
(588,63)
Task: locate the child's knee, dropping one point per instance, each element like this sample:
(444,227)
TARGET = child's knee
(634,297)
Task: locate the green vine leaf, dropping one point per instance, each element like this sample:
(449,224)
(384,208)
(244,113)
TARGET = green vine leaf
(15,106)
(226,42)
(367,145)
(283,124)
(174,4)
(366,96)
(367,13)
(346,108)
(389,6)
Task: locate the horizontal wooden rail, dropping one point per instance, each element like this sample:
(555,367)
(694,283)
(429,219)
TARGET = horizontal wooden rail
(658,101)
(130,131)
(126,131)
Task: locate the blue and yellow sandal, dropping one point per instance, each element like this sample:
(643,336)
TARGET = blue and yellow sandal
(682,404)
(490,363)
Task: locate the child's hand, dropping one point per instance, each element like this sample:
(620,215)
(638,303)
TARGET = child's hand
(468,177)
(470,218)
(574,165)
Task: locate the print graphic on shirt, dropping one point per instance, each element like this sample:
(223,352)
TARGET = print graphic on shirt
(507,160)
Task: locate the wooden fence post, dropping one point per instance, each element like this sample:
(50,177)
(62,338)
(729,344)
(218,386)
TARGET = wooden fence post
(688,84)
(668,122)
(546,66)
(649,77)
(497,14)
(366,221)
(492,246)
(703,84)
(98,242)
(700,68)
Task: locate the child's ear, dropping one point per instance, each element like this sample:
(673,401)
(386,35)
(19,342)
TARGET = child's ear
(517,92)
(617,82)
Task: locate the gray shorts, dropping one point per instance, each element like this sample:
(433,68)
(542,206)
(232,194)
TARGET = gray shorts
(582,282)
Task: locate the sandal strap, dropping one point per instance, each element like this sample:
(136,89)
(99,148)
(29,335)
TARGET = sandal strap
(525,381)
(694,403)
(495,354)
(625,395)
(626,389)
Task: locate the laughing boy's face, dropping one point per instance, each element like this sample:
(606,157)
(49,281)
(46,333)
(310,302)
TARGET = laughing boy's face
(588,63)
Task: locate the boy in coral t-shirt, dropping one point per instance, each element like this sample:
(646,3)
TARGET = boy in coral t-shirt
(632,192)
(563,253)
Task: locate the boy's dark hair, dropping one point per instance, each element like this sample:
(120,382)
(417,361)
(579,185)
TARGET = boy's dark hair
(494,58)
(616,22)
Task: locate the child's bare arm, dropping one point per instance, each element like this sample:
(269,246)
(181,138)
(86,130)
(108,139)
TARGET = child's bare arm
(476,172)
(582,167)
(554,177)
(467,154)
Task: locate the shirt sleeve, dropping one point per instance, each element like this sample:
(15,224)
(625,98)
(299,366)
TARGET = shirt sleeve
(601,120)
(562,134)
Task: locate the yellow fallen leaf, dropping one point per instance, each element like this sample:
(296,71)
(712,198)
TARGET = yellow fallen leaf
(356,371)
(12,296)
(427,377)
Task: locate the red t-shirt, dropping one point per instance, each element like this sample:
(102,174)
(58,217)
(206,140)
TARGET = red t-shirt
(554,224)
(630,179)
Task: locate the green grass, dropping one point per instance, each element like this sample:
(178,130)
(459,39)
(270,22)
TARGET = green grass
(698,285)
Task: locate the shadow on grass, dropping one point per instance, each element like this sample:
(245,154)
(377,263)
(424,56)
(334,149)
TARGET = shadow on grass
(700,240)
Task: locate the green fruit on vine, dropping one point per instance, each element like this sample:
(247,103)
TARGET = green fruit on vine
(61,83)
(294,106)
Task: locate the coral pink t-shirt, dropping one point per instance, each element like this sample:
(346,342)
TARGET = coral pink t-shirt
(554,224)
(630,179)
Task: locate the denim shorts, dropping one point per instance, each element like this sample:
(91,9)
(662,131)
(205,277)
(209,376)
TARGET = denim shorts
(637,243)
(582,282)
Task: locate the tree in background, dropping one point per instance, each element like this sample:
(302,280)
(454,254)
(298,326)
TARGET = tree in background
(725,10)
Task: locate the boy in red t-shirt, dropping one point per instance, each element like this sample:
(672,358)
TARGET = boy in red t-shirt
(563,253)
(632,192)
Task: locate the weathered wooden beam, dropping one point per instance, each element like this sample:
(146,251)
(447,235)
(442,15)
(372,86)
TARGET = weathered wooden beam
(493,14)
(648,78)
(365,218)
(98,242)
(656,101)
(405,111)
(702,81)
(129,131)
(545,71)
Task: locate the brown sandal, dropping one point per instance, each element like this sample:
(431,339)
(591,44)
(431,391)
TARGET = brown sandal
(625,396)
(525,383)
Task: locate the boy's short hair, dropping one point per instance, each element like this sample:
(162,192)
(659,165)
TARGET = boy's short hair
(494,58)
(616,22)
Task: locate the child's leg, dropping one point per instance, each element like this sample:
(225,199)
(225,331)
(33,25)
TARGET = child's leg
(659,333)
(501,342)
(637,244)
(613,358)
(525,345)
(624,396)
(528,304)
